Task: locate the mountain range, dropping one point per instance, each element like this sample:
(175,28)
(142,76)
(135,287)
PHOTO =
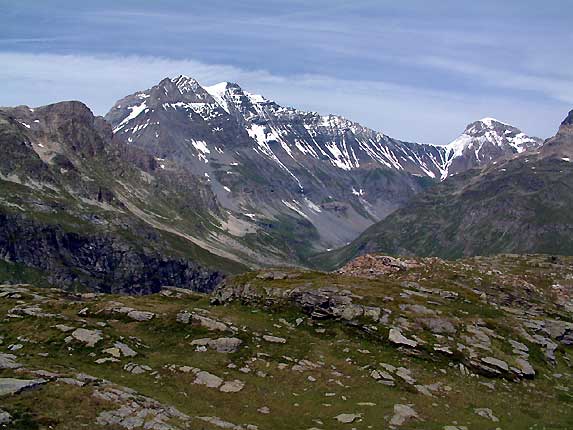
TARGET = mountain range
(269,165)
(181,184)
(518,205)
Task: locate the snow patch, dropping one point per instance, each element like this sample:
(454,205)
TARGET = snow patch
(218,91)
(135,112)
(358,193)
(488,121)
(201,146)
(313,206)
(294,206)
(259,134)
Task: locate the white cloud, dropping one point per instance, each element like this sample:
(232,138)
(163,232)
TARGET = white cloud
(405,112)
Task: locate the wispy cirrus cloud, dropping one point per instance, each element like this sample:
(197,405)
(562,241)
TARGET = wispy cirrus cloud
(556,87)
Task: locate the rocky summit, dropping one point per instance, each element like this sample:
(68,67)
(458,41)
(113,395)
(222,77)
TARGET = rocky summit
(417,343)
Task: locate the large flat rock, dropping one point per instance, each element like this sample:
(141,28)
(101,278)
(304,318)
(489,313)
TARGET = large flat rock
(10,386)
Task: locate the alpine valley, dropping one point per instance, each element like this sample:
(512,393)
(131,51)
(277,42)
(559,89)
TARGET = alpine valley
(203,181)
(204,258)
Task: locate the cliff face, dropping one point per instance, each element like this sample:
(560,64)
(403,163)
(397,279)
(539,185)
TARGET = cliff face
(100,261)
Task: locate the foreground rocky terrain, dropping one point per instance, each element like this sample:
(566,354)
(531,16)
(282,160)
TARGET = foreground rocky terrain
(421,343)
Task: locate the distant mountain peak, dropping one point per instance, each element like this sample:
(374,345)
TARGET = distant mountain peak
(487,124)
(490,122)
(484,141)
(185,84)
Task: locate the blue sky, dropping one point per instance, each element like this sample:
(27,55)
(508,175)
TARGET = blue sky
(416,70)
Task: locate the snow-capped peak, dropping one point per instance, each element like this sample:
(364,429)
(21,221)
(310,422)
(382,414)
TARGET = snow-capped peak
(218,89)
(218,92)
(228,94)
(483,141)
(257,98)
(490,122)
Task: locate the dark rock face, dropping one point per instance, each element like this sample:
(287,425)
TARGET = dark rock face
(101,262)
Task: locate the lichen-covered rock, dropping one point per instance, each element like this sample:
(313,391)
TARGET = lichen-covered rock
(8,361)
(274,339)
(222,344)
(137,369)
(402,414)
(5,417)
(395,336)
(347,418)
(232,386)
(14,386)
(89,337)
(486,413)
(134,314)
(497,363)
(208,379)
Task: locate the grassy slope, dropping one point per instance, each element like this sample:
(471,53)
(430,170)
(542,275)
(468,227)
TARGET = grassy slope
(522,206)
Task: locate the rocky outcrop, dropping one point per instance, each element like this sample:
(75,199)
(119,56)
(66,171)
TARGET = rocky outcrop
(10,386)
(88,337)
(413,328)
(374,266)
(325,302)
(222,344)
